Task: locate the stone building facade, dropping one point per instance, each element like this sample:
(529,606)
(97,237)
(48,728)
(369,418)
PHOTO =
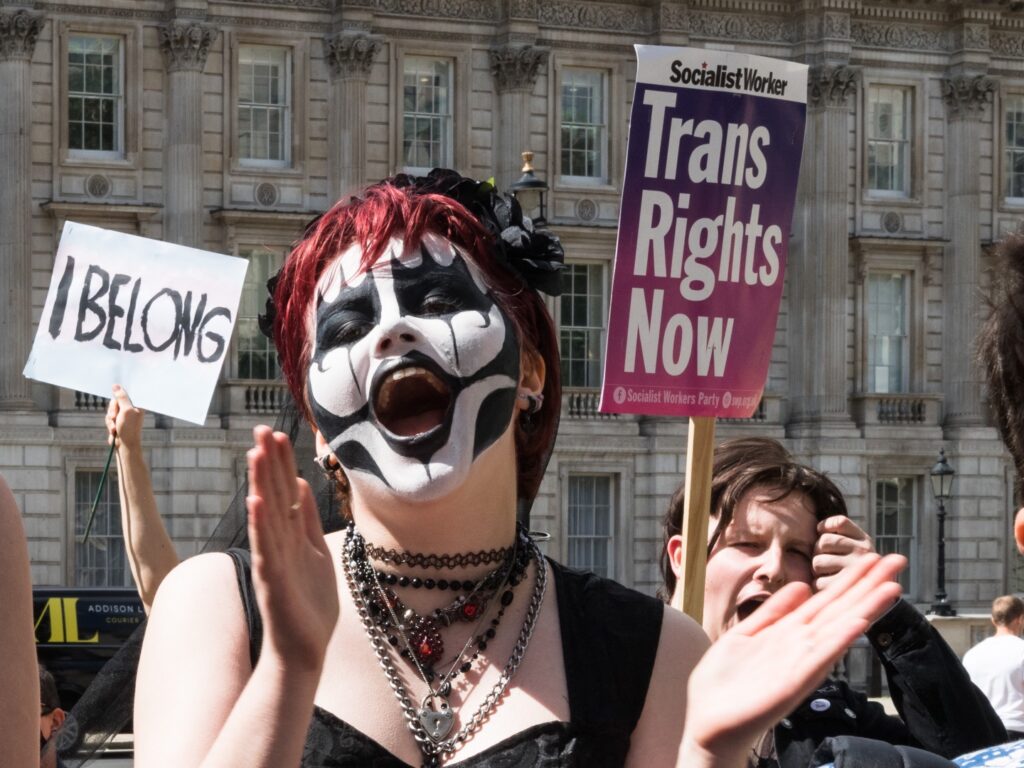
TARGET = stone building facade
(228,124)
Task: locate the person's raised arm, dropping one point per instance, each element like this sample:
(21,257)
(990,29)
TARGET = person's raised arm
(197,701)
(19,672)
(766,665)
(151,554)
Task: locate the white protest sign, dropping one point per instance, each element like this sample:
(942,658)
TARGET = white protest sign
(151,316)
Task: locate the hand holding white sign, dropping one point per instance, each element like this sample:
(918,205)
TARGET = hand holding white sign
(150,315)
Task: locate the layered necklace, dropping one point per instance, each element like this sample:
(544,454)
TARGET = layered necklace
(396,630)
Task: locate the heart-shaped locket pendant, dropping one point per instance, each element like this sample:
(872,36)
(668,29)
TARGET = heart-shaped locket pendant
(437,723)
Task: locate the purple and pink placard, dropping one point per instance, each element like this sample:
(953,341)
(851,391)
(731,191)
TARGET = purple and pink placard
(707,203)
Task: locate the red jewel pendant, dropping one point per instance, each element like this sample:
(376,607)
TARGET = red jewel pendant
(470,611)
(426,643)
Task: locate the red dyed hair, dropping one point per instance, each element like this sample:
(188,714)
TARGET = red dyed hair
(386,211)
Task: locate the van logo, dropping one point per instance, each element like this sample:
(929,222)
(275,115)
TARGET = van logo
(62,613)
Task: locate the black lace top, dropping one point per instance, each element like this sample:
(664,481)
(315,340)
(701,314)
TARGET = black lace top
(609,641)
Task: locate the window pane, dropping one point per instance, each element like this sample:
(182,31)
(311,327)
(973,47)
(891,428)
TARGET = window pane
(582,324)
(583,131)
(888,139)
(264,111)
(427,117)
(896,521)
(888,349)
(590,524)
(1014,122)
(100,561)
(255,355)
(94,105)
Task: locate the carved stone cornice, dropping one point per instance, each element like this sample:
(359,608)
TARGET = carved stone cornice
(185,44)
(901,36)
(592,15)
(350,55)
(516,67)
(973,37)
(734,26)
(466,10)
(967,95)
(1007,42)
(18,33)
(831,86)
(522,10)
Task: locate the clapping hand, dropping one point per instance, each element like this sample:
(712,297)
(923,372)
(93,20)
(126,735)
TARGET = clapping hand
(762,668)
(292,571)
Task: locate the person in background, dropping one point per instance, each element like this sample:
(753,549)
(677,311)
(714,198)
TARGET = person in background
(51,718)
(996,664)
(775,522)
(151,554)
(19,684)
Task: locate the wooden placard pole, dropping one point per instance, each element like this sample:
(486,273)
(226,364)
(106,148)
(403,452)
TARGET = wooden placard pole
(700,446)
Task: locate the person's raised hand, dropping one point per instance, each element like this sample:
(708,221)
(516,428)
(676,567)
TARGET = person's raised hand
(124,420)
(293,575)
(762,668)
(841,543)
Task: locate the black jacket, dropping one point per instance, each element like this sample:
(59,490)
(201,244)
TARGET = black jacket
(941,709)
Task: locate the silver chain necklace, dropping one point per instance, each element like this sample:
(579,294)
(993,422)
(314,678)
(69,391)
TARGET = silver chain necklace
(428,726)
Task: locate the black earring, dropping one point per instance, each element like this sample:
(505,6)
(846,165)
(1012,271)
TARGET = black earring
(534,403)
(327,462)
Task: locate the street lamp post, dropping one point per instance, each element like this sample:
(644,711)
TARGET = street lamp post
(530,191)
(942,488)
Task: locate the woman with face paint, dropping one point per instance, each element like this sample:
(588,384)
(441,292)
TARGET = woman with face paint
(431,630)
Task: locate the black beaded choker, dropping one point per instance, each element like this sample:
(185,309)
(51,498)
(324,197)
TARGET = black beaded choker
(431,560)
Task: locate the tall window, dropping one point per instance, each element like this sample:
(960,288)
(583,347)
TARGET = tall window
(590,524)
(100,561)
(889,131)
(256,356)
(895,521)
(95,95)
(426,113)
(888,345)
(582,324)
(264,104)
(1014,147)
(584,125)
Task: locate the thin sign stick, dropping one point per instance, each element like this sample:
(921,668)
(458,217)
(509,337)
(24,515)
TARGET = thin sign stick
(700,447)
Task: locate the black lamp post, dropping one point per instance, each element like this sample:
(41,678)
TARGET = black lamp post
(942,488)
(530,191)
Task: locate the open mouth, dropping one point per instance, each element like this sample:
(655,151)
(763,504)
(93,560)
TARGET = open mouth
(748,606)
(411,401)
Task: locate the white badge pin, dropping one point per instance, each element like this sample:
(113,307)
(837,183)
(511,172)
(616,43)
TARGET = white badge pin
(821,705)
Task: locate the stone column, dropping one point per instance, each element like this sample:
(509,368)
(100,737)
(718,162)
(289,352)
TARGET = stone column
(819,253)
(965,97)
(515,72)
(349,58)
(184,45)
(18,32)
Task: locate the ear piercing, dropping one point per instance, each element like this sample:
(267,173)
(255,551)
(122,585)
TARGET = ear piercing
(534,402)
(327,462)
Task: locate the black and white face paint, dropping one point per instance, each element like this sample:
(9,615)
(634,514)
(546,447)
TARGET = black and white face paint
(414,368)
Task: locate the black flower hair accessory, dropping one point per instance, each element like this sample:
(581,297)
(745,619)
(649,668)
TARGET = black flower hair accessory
(535,255)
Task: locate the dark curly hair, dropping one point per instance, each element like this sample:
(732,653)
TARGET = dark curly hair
(739,466)
(1000,348)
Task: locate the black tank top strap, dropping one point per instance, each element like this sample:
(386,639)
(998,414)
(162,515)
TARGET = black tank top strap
(609,642)
(242,559)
